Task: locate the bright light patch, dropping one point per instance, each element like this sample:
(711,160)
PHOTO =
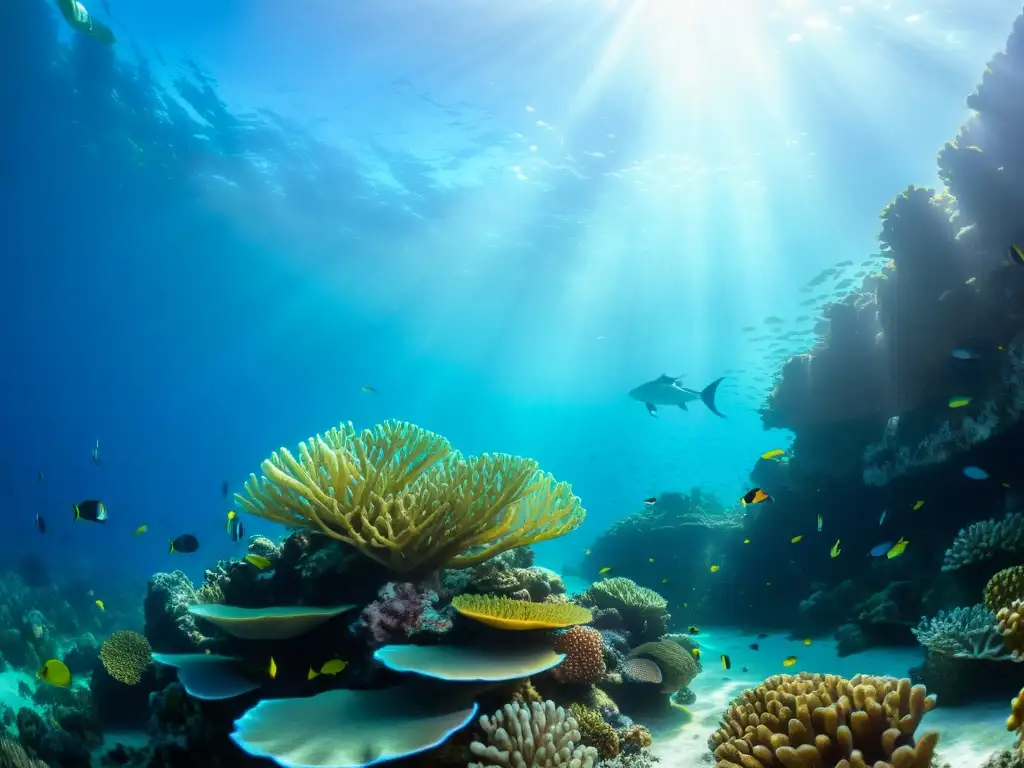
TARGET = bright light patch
(816,22)
(913,18)
(795,37)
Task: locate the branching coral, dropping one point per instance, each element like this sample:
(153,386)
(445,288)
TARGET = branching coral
(644,610)
(584,656)
(125,656)
(985,540)
(403,496)
(594,731)
(825,721)
(538,736)
(966,633)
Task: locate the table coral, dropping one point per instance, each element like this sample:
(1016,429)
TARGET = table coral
(404,497)
(825,721)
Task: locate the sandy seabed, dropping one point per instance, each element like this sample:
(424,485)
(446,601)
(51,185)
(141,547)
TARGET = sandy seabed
(967,735)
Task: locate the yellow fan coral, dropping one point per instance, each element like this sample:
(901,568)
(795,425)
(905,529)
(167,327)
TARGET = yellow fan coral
(404,497)
(506,613)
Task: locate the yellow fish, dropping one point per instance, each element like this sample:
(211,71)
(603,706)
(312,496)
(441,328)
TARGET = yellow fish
(55,672)
(1006,485)
(141,529)
(716,568)
(789,661)
(99,604)
(232,514)
(959,402)
(258,560)
(686,605)
(820,521)
(272,668)
(746,541)
(605,570)
(835,549)
(664,581)
(918,505)
(773,454)
(696,653)
(796,539)
(807,641)
(897,549)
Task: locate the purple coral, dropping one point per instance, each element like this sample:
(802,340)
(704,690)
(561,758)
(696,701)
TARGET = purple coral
(400,611)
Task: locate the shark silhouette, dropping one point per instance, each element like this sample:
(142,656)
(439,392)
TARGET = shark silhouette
(667,390)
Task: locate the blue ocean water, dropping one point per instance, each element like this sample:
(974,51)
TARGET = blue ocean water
(244,223)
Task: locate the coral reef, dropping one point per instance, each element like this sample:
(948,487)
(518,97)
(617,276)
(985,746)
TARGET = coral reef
(644,611)
(825,720)
(506,613)
(404,497)
(538,736)
(126,655)
(970,633)
(403,612)
(584,656)
(678,668)
(986,540)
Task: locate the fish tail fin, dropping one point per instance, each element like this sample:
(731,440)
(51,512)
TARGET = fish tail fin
(77,512)
(171,548)
(707,395)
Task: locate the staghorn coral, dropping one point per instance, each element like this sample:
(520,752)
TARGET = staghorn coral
(125,656)
(644,611)
(506,613)
(1011,628)
(402,610)
(678,667)
(584,656)
(825,721)
(404,497)
(594,731)
(1004,587)
(966,633)
(985,540)
(538,736)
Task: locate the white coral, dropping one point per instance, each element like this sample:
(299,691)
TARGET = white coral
(984,540)
(538,736)
(966,633)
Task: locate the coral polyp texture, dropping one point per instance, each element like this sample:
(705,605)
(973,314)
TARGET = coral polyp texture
(584,656)
(678,668)
(540,735)
(515,615)
(126,655)
(1011,627)
(404,497)
(966,633)
(985,540)
(826,721)
(1004,587)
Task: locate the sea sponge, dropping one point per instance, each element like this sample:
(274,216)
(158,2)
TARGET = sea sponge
(635,738)
(643,610)
(1015,722)
(126,655)
(1012,628)
(505,613)
(594,731)
(584,656)
(1004,587)
(538,736)
(826,721)
(404,497)
(678,667)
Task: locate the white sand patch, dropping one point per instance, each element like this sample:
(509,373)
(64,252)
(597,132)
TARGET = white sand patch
(967,735)
(9,694)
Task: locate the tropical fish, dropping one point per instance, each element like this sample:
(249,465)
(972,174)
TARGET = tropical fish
(918,504)
(258,560)
(55,672)
(667,390)
(141,529)
(91,510)
(101,606)
(96,452)
(820,521)
(696,653)
(964,354)
(796,539)
(975,473)
(332,667)
(693,630)
(650,501)
(880,549)
(1016,254)
(40,523)
(272,668)
(664,581)
(586,553)
(186,544)
(755,496)
(789,661)
(650,559)
(726,661)
(835,551)
(897,549)
(762,635)
(773,454)
(754,647)
(882,518)
(236,530)
(606,569)
(807,641)
(224,488)
(959,401)
(746,541)
(369,389)
(716,568)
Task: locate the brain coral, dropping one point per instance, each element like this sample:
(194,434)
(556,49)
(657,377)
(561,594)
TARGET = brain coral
(584,656)
(125,656)
(825,721)
(1004,587)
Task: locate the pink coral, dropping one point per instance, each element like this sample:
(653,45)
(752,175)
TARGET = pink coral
(584,656)
(400,611)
